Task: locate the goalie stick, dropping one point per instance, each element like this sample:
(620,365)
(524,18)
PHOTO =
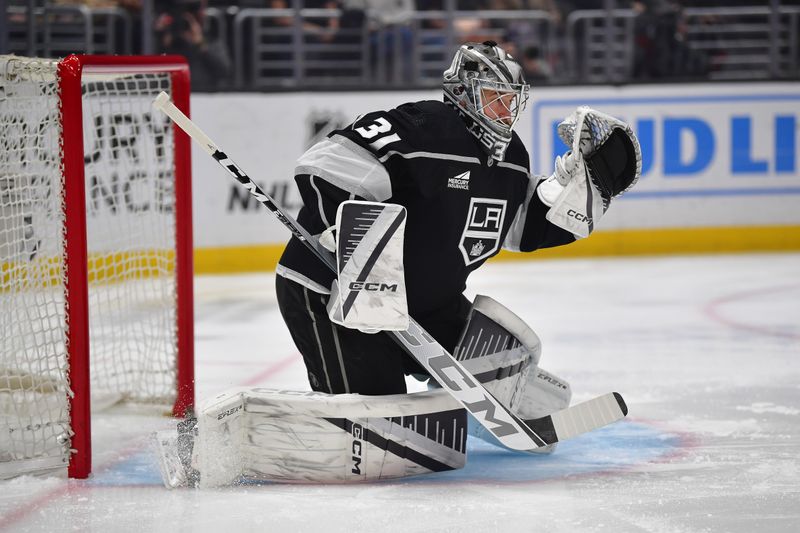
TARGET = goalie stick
(509,429)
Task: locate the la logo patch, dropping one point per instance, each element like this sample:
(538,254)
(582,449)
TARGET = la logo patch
(481,236)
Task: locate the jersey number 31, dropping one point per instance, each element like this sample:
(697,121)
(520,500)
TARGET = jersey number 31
(380,127)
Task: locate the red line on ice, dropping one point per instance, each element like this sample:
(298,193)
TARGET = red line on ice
(711,309)
(270,371)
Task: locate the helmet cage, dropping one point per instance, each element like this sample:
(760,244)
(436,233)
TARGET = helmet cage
(491,102)
(479,76)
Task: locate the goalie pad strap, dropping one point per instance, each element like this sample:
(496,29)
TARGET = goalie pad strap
(503,372)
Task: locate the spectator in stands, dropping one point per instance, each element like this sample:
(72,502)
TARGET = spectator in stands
(129,5)
(548,6)
(179,29)
(390,36)
(319,29)
(661,49)
(467,28)
(575,5)
(325,30)
(111,42)
(536,68)
(533,37)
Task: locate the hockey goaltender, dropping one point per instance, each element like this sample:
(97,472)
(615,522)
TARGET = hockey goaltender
(398,209)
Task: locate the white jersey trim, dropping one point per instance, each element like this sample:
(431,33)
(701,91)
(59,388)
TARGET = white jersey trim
(514,235)
(430,155)
(346,165)
(319,203)
(310,314)
(512,166)
(305,281)
(341,359)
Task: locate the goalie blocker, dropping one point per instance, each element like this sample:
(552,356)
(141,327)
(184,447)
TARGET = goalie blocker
(369,293)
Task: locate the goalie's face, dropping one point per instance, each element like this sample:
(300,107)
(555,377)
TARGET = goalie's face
(500,103)
(500,106)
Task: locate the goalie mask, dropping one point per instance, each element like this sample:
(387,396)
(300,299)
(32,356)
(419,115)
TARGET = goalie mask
(488,88)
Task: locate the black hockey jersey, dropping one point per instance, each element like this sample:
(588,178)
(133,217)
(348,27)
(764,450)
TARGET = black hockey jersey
(462,207)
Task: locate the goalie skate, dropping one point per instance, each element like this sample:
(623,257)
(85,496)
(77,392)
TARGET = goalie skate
(174,450)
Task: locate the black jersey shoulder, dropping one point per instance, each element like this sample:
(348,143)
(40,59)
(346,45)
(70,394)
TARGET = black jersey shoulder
(424,126)
(442,127)
(430,116)
(437,128)
(517,154)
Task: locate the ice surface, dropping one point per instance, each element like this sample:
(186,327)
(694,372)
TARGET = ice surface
(706,351)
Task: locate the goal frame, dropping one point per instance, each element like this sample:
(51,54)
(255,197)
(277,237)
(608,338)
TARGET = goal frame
(70,71)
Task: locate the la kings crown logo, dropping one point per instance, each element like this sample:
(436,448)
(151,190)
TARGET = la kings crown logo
(481,236)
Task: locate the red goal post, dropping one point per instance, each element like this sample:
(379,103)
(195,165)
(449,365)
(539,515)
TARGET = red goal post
(124,256)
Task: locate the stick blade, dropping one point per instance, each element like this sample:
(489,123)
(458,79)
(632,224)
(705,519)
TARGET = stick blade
(622,405)
(581,418)
(161,100)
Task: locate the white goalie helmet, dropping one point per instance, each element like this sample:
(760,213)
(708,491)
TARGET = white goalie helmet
(488,87)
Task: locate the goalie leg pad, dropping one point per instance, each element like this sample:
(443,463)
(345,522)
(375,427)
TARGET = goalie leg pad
(286,436)
(498,348)
(542,394)
(503,353)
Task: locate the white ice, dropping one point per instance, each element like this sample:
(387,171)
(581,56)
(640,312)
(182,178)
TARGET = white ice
(705,349)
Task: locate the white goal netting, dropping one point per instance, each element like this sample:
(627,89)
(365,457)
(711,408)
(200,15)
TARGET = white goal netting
(130,228)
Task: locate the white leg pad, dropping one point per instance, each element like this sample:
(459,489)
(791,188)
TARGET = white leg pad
(498,348)
(543,394)
(270,435)
(503,353)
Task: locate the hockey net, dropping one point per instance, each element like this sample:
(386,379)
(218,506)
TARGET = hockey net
(95,251)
